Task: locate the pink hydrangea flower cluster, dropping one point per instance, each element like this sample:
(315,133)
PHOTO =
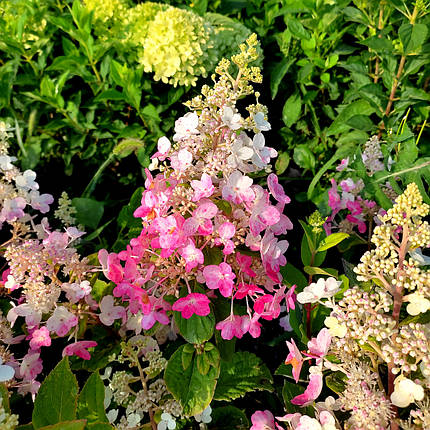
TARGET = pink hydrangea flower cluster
(358,209)
(207,228)
(45,276)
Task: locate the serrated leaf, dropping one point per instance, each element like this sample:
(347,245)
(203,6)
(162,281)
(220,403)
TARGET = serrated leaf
(289,391)
(224,206)
(189,387)
(196,329)
(57,397)
(67,425)
(90,400)
(244,373)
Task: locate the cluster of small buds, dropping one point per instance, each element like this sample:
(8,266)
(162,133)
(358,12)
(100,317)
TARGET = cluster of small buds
(419,418)
(388,190)
(402,230)
(409,348)
(157,363)
(366,402)
(6,334)
(7,421)
(364,315)
(316,221)
(172,407)
(138,389)
(66,211)
(120,386)
(5,135)
(408,209)
(372,156)
(373,266)
(203,214)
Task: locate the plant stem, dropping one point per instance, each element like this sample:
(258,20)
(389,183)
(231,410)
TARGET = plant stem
(380,27)
(395,85)
(145,388)
(401,67)
(401,172)
(92,184)
(398,299)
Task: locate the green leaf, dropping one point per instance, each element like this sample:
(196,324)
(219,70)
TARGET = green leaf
(379,44)
(360,122)
(196,329)
(289,391)
(203,365)
(293,276)
(189,387)
(32,156)
(331,61)
(126,147)
(99,426)
(278,74)
(224,206)
(336,382)
(4,394)
(296,28)
(187,355)
(340,153)
(413,37)
(91,398)
(244,373)
(292,109)
(109,94)
(67,425)
(356,15)
(282,162)
(57,397)
(331,240)
(88,211)
(304,157)
(359,107)
(320,271)
(229,417)
(212,256)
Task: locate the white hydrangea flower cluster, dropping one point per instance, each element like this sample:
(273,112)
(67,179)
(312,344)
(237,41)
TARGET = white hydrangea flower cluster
(18,190)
